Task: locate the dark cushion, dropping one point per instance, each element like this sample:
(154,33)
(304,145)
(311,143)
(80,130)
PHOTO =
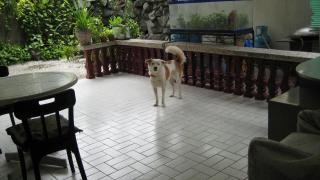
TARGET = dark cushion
(19,137)
(309,143)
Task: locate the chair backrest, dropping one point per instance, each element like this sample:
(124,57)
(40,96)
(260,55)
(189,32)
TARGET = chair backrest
(4,71)
(50,105)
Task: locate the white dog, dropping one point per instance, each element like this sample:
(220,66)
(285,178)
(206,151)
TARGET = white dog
(161,71)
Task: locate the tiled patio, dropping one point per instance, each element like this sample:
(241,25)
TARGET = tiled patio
(203,136)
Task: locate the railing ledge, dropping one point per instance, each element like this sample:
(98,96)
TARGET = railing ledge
(258,53)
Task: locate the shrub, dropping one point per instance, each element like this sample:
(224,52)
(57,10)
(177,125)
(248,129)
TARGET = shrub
(196,22)
(96,28)
(133,27)
(107,33)
(13,53)
(115,21)
(47,25)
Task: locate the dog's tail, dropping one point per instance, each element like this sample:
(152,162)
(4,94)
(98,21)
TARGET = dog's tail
(181,58)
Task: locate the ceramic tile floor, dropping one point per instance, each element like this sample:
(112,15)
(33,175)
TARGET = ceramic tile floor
(203,136)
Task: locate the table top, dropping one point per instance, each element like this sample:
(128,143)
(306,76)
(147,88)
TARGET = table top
(310,70)
(34,85)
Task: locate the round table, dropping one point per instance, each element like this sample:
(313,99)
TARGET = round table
(309,73)
(34,85)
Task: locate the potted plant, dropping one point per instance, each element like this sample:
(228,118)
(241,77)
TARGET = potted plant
(83,23)
(133,28)
(96,29)
(106,34)
(116,23)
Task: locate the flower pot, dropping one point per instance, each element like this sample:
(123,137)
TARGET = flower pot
(111,38)
(103,39)
(128,33)
(84,37)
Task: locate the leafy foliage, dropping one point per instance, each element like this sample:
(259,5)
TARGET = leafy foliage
(115,21)
(107,33)
(133,27)
(196,21)
(47,25)
(13,53)
(213,21)
(96,28)
(83,20)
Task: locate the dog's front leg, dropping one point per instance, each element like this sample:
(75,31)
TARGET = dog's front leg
(156,94)
(163,94)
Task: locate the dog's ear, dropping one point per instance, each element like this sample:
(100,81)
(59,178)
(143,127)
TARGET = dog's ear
(163,62)
(148,61)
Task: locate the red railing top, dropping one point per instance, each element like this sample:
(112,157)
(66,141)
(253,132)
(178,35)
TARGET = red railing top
(256,53)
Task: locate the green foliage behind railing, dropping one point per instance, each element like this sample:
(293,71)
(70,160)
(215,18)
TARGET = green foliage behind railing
(52,21)
(13,53)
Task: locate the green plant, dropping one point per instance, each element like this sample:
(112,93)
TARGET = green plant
(96,28)
(83,20)
(36,43)
(196,22)
(69,52)
(216,21)
(181,22)
(115,21)
(47,25)
(123,29)
(106,32)
(13,53)
(1,5)
(50,19)
(133,27)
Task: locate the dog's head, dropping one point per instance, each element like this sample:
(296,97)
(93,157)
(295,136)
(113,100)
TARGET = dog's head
(155,65)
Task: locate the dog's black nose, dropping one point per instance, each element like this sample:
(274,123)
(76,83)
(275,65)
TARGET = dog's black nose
(155,68)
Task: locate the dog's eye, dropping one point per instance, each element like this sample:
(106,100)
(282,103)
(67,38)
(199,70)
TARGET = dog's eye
(158,64)
(152,63)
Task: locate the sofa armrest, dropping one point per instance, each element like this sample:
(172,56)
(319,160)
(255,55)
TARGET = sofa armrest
(272,160)
(309,121)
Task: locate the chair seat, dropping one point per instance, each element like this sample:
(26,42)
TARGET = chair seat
(309,143)
(18,134)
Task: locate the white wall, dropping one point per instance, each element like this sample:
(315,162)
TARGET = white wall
(283,17)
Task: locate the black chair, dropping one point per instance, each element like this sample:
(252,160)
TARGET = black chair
(4,71)
(44,131)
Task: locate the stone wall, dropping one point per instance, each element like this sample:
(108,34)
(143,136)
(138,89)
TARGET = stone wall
(153,16)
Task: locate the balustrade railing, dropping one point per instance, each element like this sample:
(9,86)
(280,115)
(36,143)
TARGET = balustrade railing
(254,73)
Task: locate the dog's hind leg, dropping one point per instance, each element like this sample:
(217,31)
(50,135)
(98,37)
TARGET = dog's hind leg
(163,94)
(179,87)
(173,87)
(156,94)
